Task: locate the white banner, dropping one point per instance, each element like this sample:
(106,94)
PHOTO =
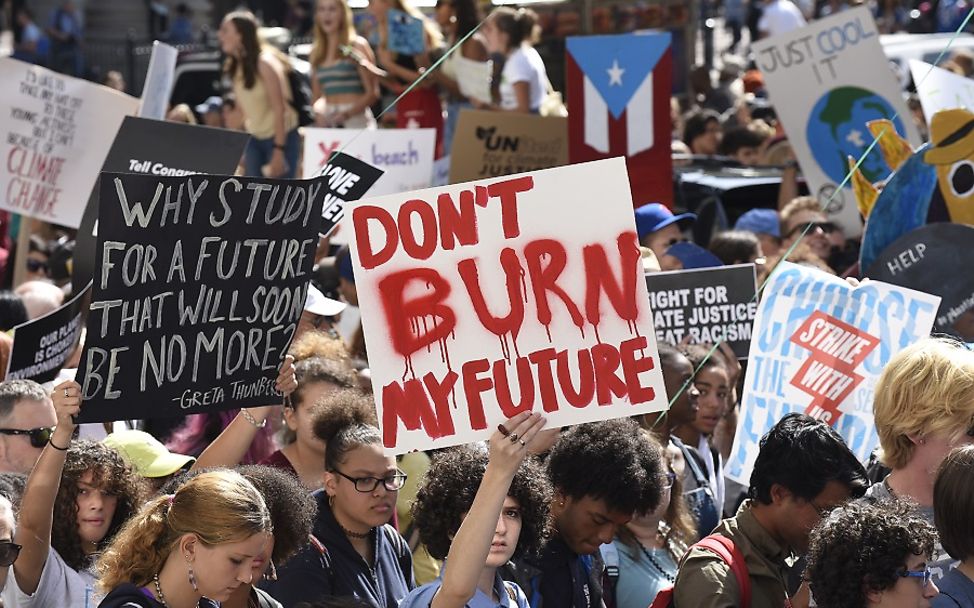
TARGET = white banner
(826,81)
(56,133)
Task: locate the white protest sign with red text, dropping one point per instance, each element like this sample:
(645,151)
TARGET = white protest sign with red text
(56,131)
(818,347)
(485,299)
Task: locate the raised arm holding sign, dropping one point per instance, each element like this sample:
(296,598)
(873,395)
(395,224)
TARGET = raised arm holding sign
(199,285)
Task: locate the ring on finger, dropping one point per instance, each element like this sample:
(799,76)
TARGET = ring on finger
(513,437)
(521,441)
(503,430)
(66,392)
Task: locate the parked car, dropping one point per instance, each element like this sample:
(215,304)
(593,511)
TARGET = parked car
(900,48)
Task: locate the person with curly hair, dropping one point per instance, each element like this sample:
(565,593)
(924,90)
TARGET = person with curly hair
(923,408)
(76,498)
(953,503)
(354,551)
(602,473)
(477,509)
(872,554)
(803,470)
(200,542)
(643,557)
(302,454)
(292,511)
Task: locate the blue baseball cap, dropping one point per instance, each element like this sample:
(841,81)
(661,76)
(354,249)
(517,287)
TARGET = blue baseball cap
(656,216)
(760,221)
(693,256)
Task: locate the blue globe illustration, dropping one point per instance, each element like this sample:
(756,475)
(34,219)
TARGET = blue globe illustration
(837,130)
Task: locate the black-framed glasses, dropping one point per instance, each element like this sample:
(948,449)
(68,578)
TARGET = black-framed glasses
(926,574)
(810,227)
(391,483)
(38,437)
(8,552)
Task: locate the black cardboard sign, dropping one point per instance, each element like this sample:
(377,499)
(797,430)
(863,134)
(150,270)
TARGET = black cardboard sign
(934,259)
(42,345)
(155,147)
(706,305)
(200,282)
(348,180)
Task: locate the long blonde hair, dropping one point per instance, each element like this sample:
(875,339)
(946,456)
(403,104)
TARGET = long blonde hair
(217,506)
(346,33)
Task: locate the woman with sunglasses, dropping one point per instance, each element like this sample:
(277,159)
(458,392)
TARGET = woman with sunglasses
(77,497)
(872,555)
(477,509)
(647,550)
(9,550)
(354,551)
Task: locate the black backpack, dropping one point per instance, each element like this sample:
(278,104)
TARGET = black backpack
(300,96)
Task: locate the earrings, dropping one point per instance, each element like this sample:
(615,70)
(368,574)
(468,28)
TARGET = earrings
(192,575)
(272,575)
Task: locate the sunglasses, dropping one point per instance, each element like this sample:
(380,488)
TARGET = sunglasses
(810,227)
(36,265)
(8,553)
(38,437)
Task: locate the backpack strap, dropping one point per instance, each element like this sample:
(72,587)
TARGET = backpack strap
(610,557)
(403,554)
(726,550)
(322,551)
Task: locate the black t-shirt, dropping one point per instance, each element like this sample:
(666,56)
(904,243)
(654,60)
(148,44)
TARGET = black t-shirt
(128,595)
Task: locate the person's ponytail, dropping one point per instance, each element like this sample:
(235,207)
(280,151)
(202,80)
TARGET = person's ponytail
(139,550)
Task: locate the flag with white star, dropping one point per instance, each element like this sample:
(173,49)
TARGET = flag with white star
(619,90)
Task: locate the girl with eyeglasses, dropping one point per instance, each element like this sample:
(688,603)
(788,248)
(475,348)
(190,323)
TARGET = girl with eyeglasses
(354,551)
(76,498)
(647,550)
(875,555)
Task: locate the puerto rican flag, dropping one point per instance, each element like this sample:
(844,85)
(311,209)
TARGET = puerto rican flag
(619,94)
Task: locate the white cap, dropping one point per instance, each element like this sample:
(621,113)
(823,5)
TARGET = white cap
(318,304)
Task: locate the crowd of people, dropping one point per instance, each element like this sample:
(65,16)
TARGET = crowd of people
(297,504)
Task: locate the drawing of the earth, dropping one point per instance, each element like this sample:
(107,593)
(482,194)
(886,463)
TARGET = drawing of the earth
(837,130)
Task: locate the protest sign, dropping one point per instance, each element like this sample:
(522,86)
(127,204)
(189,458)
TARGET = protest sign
(706,305)
(154,147)
(619,87)
(940,89)
(934,259)
(404,155)
(933,184)
(405,33)
(492,144)
(827,80)
(200,283)
(473,78)
(56,132)
(158,81)
(42,345)
(818,347)
(348,179)
(484,299)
